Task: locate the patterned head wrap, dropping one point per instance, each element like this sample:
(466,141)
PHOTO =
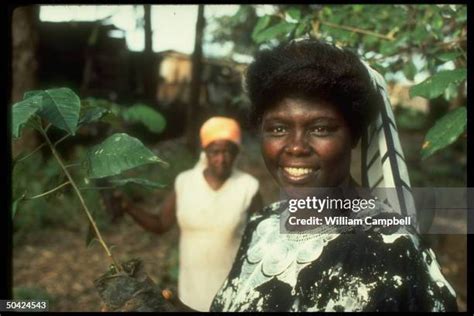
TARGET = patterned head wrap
(383,162)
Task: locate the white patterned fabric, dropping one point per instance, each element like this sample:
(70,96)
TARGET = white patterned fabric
(383,161)
(363,269)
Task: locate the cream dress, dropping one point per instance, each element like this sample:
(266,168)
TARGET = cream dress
(211,225)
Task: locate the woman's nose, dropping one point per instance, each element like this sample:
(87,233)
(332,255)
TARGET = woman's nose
(298,145)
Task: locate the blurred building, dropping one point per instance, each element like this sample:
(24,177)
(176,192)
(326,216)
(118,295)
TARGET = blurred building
(89,57)
(94,60)
(221,80)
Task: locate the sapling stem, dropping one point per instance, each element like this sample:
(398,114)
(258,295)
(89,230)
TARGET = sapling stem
(73,165)
(33,152)
(81,199)
(48,192)
(61,139)
(98,188)
(41,146)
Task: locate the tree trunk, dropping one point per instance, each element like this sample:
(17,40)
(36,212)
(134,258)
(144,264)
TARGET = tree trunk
(149,65)
(25,22)
(193,105)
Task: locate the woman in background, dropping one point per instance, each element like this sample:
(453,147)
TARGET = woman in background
(211,204)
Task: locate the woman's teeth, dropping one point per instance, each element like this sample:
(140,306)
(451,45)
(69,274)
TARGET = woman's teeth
(296,172)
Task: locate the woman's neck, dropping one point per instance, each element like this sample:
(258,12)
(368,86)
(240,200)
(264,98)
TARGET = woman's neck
(214,182)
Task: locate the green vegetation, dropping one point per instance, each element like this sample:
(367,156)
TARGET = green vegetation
(61,109)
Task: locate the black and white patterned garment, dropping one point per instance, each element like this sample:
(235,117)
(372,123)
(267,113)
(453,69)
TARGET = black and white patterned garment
(366,270)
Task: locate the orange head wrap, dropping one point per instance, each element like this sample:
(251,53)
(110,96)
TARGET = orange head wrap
(220,128)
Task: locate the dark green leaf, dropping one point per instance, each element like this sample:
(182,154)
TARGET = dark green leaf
(23,111)
(437,84)
(140,113)
(388,48)
(294,13)
(92,114)
(32,93)
(61,108)
(118,153)
(281,28)
(300,29)
(139,181)
(445,131)
(262,23)
(410,70)
(448,56)
(420,34)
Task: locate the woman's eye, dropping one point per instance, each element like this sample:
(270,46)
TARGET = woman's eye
(323,130)
(276,130)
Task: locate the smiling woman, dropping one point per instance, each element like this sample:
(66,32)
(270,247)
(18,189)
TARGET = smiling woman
(313,102)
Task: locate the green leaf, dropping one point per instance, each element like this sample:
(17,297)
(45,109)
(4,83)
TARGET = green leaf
(140,181)
(32,93)
(358,8)
(436,84)
(303,26)
(294,13)
(274,31)
(23,111)
(262,23)
(448,56)
(118,153)
(445,131)
(92,114)
(61,108)
(410,70)
(140,113)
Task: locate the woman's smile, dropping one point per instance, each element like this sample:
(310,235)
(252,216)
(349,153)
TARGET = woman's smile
(298,175)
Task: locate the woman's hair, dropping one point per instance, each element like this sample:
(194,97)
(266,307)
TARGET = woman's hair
(313,70)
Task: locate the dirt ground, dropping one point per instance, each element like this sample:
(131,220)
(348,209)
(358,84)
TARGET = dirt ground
(58,262)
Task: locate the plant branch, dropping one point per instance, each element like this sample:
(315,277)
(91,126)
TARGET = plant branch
(33,152)
(61,139)
(47,127)
(73,165)
(48,192)
(97,188)
(41,146)
(81,199)
(388,37)
(453,42)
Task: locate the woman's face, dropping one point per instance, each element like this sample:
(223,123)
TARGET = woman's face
(221,155)
(306,144)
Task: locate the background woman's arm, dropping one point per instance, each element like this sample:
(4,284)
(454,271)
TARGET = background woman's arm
(157,223)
